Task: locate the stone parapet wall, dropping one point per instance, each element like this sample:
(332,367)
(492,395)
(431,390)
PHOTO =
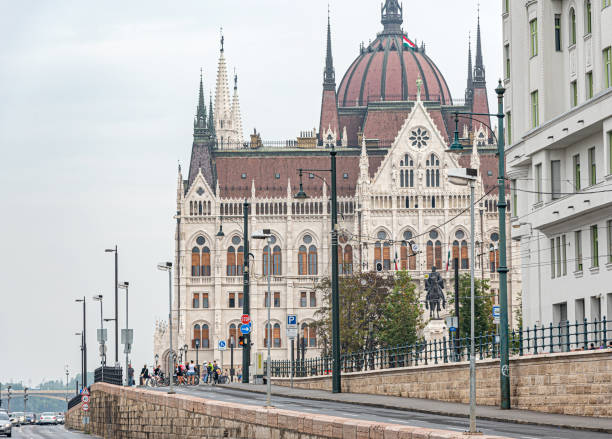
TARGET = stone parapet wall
(118,413)
(573,383)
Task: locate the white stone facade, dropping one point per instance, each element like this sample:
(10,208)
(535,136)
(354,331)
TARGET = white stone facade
(559,155)
(395,201)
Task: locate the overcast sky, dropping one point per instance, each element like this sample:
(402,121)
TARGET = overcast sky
(96,107)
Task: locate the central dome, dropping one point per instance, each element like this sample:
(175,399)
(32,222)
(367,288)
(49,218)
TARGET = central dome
(386,71)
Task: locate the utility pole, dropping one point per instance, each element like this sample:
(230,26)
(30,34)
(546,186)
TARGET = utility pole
(115,250)
(336,380)
(246,348)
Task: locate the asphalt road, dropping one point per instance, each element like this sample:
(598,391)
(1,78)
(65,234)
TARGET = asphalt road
(401,417)
(47,432)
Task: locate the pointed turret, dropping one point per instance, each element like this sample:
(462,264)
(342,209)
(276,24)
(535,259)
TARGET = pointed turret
(480,100)
(469,89)
(211,118)
(329,132)
(236,116)
(479,70)
(392,17)
(223,113)
(203,142)
(200,128)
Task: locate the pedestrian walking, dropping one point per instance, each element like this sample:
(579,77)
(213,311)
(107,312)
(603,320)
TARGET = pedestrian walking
(144,376)
(130,375)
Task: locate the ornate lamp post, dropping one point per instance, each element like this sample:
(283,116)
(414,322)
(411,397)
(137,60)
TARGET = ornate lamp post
(502,269)
(301,195)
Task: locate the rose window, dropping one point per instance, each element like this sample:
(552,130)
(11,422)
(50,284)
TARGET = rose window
(419,137)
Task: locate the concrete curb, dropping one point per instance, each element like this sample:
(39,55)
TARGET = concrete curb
(510,420)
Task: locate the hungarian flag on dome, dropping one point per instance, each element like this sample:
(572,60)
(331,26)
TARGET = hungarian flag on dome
(408,43)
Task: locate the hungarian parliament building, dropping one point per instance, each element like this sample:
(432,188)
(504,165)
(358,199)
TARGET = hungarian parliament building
(391,121)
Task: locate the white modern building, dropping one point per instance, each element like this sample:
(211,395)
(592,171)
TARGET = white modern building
(558,76)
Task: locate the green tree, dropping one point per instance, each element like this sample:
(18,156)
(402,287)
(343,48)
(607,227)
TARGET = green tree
(362,298)
(483,307)
(402,313)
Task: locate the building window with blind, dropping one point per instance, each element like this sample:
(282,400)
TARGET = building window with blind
(609,227)
(233,335)
(407,254)
(589,85)
(573,93)
(276,338)
(200,258)
(205,300)
(312,260)
(232,300)
(592,167)
(588,17)
(607,65)
(309,334)
(578,249)
(460,250)
(235,257)
(555,175)
(277,301)
(276,258)
(594,247)
(303,299)
(535,109)
(552,258)
(313,299)
(382,252)
(533,28)
(432,171)
(231,261)
(195,301)
(558,33)
(201,332)
(572,33)
(434,251)
(564,254)
(538,182)
(307,257)
(576,163)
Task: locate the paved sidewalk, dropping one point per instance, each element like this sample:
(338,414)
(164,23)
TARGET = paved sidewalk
(438,407)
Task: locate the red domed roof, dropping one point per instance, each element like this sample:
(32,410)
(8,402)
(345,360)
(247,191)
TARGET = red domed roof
(386,71)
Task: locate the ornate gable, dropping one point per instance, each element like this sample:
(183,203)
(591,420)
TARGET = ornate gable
(412,150)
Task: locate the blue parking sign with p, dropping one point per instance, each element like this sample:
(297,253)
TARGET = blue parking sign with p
(291,319)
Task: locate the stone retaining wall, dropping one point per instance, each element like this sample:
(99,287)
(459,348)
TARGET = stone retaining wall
(574,383)
(117,413)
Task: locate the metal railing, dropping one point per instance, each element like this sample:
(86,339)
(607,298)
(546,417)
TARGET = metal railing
(74,401)
(561,337)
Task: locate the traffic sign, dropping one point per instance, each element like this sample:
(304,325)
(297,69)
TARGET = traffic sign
(85,407)
(291,333)
(84,391)
(245,329)
(245,319)
(127,336)
(222,345)
(291,320)
(291,326)
(496,314)
(452,322)
(85,398)
(102,335)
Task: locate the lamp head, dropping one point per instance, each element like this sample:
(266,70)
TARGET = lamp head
(97,297)
(220,233)
(462,176)
(262,234)
(109,250)
(164,266)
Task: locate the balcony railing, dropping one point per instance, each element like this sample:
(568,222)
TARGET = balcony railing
(561,337)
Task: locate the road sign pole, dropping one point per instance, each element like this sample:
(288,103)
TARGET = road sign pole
(246,349)
(292,360)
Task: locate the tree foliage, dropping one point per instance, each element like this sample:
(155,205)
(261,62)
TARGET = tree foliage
(483,306)
(374,311)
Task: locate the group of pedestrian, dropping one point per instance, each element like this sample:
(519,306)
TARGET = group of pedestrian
(186,374)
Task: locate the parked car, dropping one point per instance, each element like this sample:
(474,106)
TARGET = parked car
(14,420)
(21,417)
(30,418)
(48,418)
(6,427)
(61,419)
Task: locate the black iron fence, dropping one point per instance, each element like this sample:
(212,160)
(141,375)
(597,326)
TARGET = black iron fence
(110,375)
(560,337)
(74,401)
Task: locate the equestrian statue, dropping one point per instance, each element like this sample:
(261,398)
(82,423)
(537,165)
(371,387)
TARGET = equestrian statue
(435,296)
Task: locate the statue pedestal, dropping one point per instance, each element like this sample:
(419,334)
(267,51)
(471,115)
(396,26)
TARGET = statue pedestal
(435,330)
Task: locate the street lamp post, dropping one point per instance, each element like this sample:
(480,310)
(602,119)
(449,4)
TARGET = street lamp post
(101,336)
(267,235)
(67,373)
(502,269)
(80,334)
(168,267)
(336,379)
(114,250)
(128,343)
(84,344)
(25,400)
(462,177)
(197,347)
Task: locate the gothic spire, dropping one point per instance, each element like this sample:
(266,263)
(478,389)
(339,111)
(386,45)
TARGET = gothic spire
(211,118)
(201,112)
(236,116)
(470,79)
(392,17)
(329,77)
(479,70)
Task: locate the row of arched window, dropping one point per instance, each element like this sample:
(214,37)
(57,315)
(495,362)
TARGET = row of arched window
(432,171)
(202,332)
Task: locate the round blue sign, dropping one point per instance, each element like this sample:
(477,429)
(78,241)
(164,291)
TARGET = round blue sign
(245,329)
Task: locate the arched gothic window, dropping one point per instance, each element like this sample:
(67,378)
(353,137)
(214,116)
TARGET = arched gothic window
(309,335)
(588,17)
(460,250)
(434,251)
(572,30)
(407,255)
(302,258)
(382,252)
(407,171)
(312,260)
(231,261)
(276,261)
(432,171)
(233,335)
(494,252)
(276,337)
(200,333)
(195,261)
(200,258)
